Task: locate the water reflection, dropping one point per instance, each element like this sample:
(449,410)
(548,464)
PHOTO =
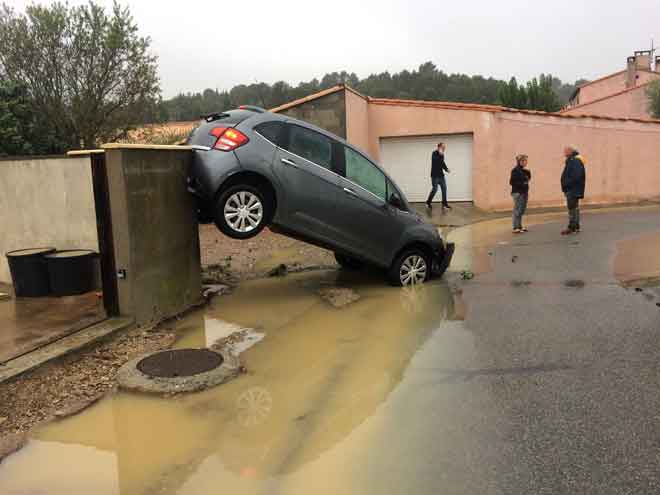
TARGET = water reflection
(317,376)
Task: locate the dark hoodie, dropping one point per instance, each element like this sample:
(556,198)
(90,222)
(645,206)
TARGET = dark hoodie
(519,181)
(573,177)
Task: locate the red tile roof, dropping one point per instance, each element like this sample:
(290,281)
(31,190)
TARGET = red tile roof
(449,105)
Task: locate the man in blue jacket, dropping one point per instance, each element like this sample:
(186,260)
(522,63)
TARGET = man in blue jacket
(438,169)
(572,184)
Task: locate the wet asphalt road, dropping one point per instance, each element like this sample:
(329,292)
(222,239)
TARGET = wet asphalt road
(550,384)
(555,372)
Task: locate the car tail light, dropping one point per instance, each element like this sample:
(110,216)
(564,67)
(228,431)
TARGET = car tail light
(228,138)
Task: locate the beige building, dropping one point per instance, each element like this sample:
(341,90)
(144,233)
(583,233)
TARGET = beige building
(622,152)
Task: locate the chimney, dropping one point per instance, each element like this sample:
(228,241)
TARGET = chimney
(631,73)
(643,59)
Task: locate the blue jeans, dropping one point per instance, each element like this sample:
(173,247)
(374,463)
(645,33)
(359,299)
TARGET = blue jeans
(435,182)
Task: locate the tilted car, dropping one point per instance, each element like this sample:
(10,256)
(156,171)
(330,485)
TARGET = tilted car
(252,169)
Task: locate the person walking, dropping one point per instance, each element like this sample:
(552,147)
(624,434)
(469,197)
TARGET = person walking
(438,169)
(519,181)
(573,180)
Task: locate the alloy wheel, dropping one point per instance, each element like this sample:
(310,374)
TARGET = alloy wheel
(243,211)
(413,270)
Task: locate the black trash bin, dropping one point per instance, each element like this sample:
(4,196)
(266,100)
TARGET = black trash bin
(29,272)
(71,272)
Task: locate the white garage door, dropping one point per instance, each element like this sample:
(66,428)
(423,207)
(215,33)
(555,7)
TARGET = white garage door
(408,161)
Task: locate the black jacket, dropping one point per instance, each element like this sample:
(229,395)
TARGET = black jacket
(519,181)
(438,165)
(573,177)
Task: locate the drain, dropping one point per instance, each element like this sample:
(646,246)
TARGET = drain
(180,362)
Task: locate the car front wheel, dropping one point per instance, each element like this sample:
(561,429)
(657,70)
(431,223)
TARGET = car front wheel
(242,211)
(411,267)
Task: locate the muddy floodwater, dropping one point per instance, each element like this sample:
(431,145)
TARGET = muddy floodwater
(327,404)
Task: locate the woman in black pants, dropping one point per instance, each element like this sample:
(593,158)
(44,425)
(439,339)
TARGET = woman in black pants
(519,181)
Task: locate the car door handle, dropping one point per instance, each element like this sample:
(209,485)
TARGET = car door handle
(350,191)
(291,163)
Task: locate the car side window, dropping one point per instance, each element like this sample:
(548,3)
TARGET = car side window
(310,145)
(271,131)
(393,197)
(364,173)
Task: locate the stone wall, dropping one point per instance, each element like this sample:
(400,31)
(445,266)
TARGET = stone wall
(327,112)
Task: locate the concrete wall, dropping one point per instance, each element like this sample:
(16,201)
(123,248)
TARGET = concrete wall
(623,156)
(327,112)
(46,202)
(155,230)
(633,104)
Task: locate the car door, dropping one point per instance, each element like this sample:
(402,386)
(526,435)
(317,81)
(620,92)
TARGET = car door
(303,164)
(369,224)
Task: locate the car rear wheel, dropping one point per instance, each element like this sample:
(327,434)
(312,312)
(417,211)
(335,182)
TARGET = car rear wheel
(347,262)
(242,211)
(411,267)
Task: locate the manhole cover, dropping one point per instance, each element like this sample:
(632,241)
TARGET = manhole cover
(180,362)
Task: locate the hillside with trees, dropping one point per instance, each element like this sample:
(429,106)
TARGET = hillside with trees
(427,82)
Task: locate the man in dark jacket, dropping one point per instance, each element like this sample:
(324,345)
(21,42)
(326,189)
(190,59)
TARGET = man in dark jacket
(438,169)
(573,180)
(519,181)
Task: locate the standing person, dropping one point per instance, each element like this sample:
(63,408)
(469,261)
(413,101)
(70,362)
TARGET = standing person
(438,169)
(519,181)
(573,180)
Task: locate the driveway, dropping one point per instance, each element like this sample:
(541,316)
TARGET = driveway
(540,375)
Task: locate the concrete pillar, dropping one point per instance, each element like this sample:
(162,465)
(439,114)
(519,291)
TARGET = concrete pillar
(155,232)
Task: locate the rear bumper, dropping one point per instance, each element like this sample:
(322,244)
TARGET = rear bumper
(443,261)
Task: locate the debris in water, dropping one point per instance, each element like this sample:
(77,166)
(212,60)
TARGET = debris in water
(338,296)
(279,271)
(467,275)
(211,290)
(576,284)
(514,258)
(638,289)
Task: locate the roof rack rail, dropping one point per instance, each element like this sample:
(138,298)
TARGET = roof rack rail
(252,108)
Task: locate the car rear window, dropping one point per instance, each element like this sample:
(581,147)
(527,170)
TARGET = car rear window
(201,135)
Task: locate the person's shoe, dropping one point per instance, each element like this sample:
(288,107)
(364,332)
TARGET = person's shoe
(445,205)
(429,205)
(567,232)
(517,231)
(524,230)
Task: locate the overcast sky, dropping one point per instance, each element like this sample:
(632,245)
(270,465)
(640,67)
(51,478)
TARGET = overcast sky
(219,44)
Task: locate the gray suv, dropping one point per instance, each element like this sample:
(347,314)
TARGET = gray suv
(252,168)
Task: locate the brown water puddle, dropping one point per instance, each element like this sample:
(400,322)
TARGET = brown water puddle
(316,379)
(638,260)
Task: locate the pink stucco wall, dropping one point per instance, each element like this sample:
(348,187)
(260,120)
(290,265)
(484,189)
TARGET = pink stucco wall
(613,84)
(632,104)
(602,87)
(357,120)
(623,156)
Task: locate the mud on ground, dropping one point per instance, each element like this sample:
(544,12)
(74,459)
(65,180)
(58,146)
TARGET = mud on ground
(74,382)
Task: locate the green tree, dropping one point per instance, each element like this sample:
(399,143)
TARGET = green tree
(653,94)
(88,72)
(22,131)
